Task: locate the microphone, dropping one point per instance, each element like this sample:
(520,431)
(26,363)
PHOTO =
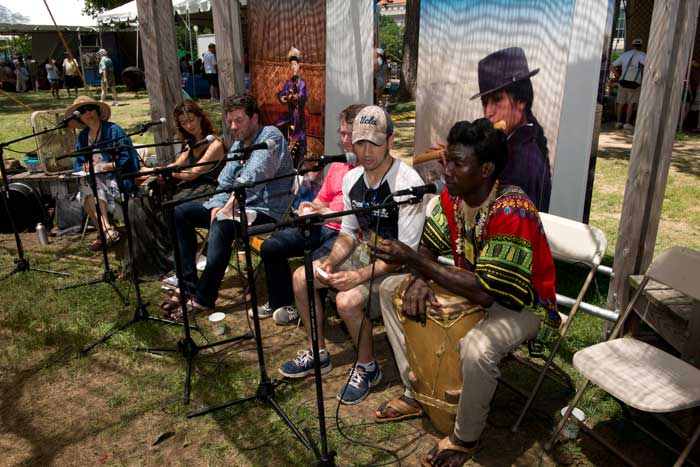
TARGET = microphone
(269,145)
(74,116)
(347,158)
(208,140)
(147,125)
(436,186)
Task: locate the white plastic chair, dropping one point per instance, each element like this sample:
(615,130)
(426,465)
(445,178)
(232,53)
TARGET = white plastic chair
(572,242)
(636,373)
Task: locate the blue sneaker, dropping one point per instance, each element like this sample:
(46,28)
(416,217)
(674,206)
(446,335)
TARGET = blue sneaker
(361,381)
(303,365)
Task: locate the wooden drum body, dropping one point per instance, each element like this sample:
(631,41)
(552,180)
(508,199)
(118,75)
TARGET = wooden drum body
(433,352)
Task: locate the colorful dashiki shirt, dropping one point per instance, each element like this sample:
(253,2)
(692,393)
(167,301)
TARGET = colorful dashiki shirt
(503,244)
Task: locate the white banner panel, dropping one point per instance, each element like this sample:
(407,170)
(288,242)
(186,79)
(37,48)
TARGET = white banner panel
(349,42)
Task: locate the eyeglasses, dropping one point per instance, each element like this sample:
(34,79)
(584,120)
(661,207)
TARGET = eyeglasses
(87,108)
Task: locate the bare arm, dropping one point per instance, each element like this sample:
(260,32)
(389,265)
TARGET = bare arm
(456,280)
(215,152)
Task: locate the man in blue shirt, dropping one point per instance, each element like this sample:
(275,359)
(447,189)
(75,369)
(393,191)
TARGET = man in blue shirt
(268,200)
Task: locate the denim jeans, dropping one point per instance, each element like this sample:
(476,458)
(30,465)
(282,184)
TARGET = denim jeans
(188,216)
(281,246)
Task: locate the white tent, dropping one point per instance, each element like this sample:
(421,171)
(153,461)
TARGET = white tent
(65,12)
(128,12)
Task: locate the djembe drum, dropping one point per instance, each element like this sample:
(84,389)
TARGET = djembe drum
(433,352)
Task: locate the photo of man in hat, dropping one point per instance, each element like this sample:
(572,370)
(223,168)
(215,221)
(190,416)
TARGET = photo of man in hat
(294,95)
(506,94)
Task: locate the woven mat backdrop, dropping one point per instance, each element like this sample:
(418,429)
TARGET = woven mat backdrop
(273,27)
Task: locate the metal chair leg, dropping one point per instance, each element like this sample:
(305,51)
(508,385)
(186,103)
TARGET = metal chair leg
(574,402)
(686,451)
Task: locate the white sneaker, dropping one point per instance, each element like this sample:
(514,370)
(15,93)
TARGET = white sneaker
(618,125)
(285,315)
(264,311)
(628,126)
(115,104)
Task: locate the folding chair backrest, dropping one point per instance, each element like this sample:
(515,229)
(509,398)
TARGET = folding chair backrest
(678,268)
(52,144)
(574,242)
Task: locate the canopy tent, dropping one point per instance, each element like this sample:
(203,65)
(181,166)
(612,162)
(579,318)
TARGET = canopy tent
(197,9)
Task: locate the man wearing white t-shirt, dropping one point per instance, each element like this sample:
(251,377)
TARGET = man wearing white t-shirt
(629,68)
(211,70)
(349,268)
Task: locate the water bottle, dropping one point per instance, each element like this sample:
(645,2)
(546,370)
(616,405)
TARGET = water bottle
(42,235)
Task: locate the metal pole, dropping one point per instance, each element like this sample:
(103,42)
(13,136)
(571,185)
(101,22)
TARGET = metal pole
(138,35)
(191,67)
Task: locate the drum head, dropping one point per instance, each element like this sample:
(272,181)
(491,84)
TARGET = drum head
(25,207)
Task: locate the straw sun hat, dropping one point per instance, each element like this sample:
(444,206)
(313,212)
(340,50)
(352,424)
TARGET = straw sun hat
(105,110)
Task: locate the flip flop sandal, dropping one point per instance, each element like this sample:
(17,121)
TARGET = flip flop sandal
(196,309)
(445,444)
(405,410)
(112,238)
(169,304)
(193,309)
(96,245)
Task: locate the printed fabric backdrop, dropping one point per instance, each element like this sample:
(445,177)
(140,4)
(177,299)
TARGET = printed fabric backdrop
(456,34)
(274,26)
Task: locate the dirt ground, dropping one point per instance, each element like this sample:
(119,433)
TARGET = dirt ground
(44,414)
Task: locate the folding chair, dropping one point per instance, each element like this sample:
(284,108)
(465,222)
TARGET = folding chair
(638,374)
(572,242)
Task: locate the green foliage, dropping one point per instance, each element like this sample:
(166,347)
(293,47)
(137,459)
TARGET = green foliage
(182,38)
(95,7)
(390,37)
(20,44)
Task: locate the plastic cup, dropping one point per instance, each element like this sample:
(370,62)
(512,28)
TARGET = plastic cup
(571,428)
(217,322)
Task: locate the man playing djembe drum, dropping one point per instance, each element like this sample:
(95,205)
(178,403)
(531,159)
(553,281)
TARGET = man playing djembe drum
(503,264)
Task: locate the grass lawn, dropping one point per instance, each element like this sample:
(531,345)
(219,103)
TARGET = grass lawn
(121,407)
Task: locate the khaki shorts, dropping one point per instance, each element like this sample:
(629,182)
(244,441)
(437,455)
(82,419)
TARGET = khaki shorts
(628,96)
(353,263)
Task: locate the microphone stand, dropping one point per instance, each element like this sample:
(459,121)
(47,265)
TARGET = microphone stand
(140,312)
(21,263)
(187,346)
(266,387)
(108,275)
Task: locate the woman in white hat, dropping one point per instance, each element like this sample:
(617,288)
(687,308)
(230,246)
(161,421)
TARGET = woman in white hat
(96,128)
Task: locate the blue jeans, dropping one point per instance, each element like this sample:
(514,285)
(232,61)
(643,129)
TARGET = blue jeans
(281,246)
(188,216)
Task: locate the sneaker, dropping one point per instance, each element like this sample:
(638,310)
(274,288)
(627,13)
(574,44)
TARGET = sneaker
(286,315)
(264,311)
(303,365)
(628,126)
(361,381)
(115,104)
(618,125)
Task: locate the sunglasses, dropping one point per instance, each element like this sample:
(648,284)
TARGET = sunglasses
(87,108)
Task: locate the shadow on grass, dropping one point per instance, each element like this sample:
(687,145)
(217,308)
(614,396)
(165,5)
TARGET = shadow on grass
(684,159)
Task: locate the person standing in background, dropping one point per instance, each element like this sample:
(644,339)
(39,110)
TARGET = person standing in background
(629,69)
(71,76)
(33,67)
(211,71)
(106,68)
(52,76)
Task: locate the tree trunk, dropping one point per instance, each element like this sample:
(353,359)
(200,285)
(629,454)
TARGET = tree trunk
(409,65)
